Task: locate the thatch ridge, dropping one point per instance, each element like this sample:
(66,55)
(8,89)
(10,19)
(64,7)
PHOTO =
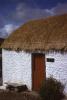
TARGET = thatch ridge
(43,34)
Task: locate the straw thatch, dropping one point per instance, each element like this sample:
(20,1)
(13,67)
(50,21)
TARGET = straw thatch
(1,40)
(43,34)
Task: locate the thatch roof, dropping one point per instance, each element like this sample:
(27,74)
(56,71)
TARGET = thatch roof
(43,34)
(1,40)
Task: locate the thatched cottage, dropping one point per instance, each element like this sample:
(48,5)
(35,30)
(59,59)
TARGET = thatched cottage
(35,51)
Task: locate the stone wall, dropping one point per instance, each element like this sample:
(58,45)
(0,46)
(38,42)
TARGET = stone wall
(58,68)
(16,67)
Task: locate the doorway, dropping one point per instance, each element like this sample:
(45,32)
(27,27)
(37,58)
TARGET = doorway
(38,70)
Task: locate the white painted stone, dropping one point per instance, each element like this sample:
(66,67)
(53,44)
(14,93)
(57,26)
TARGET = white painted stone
(16,67)
(58,68)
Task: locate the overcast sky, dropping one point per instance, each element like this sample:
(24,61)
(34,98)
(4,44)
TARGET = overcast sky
(14,13)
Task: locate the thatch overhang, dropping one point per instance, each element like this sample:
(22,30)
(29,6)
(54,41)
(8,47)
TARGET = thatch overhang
(1,41)
(43,34)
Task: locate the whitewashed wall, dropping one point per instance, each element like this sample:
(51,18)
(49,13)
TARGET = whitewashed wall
(58,68)
(16,67)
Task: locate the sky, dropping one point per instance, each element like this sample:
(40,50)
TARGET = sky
(14,13)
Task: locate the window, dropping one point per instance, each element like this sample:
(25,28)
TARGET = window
(50,60)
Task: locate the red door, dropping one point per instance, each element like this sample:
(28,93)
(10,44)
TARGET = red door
(38,70)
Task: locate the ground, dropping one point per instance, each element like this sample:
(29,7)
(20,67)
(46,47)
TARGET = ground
(5,95)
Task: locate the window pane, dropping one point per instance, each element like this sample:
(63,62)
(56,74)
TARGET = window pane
(50,59)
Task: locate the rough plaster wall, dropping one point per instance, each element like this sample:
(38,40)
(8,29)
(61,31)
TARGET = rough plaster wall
(17,67)
(58,68)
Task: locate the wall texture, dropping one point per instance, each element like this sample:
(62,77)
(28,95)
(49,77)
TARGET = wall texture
(58,68)
(16,67)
